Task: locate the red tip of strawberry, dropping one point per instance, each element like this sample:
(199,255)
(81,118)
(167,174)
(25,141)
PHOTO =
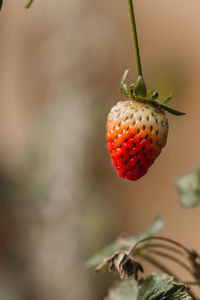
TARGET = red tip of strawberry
(136,134)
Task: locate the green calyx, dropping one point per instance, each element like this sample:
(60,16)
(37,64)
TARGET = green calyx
(138,91)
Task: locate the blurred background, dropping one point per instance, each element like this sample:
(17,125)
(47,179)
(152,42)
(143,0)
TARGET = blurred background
(61,200)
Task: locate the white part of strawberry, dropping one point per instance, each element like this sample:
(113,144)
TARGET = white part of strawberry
(143,114)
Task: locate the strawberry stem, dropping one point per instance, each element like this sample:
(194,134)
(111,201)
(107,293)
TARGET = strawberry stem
(135,38)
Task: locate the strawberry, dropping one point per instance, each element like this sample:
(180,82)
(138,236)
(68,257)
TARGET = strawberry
(137,129)
(136,133)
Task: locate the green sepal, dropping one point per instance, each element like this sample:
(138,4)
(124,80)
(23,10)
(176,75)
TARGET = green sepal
(166,100)
(123,86)
(139,92)
(171,110)
(124,90)
(131,90)
(152,95)
(139,88)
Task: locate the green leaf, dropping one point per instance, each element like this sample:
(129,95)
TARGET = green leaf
(166,100)
(117,246)
(160,287)
(124,290)
(153,287)
(189,189)
(171,110)
(140,87)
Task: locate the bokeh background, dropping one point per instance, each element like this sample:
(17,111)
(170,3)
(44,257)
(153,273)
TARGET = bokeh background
(61,201)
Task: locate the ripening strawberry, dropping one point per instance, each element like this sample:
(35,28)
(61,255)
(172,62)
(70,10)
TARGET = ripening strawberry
(136,133)
(137,129)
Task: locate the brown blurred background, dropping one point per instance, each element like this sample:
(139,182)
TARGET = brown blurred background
(61,201)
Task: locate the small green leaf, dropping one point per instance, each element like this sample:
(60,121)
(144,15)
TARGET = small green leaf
(140,88)
(166,100)
(117,246)
(153,287)
(189,189)
(171,110)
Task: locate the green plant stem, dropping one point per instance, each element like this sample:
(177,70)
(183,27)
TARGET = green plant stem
(162,239)
(135,38)
(157,264)
(173,258)
(163,246)
(191,282)
(29,3)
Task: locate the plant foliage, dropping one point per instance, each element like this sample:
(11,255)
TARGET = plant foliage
(189,189)
(153,287)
